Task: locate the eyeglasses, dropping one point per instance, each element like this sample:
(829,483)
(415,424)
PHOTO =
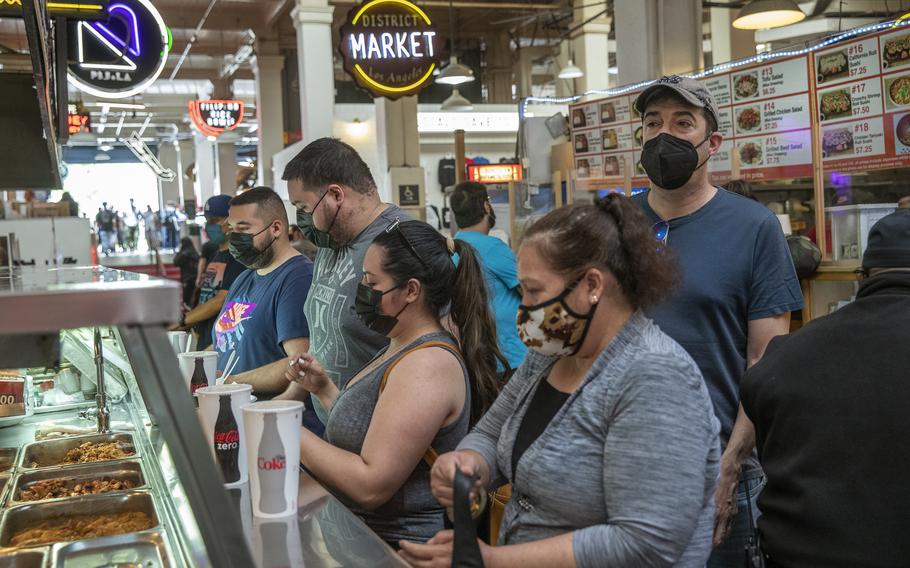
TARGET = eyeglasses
(396,227)
(661,231)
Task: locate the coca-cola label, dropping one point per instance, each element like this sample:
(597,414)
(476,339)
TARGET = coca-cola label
(196,386)
(228,440)
(277,462)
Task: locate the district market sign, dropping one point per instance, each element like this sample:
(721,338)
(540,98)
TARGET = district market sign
(390,47)
(119,56)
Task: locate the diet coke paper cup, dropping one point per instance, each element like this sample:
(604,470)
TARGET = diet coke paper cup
(198,368)
(272,431)
(222,424)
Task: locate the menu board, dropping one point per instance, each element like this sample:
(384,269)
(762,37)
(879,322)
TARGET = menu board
(863,90)
(606,135)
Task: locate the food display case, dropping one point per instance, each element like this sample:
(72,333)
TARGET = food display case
(117,471)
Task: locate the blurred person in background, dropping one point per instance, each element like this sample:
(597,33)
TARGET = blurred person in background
(302,244)
(133,216)
(829,404)
(187,260)
(607,431)
(740,187)
(475,217)
(904,202)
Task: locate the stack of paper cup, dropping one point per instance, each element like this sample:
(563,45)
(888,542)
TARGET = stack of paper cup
(272,430)
(219,414)
(178,340)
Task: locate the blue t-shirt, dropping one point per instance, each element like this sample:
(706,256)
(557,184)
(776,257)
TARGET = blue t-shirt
(261,312)
(501,275)
(736,268)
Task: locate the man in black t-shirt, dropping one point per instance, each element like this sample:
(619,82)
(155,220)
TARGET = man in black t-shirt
(220,271)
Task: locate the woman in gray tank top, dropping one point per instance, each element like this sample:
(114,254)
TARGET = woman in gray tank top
(418,397)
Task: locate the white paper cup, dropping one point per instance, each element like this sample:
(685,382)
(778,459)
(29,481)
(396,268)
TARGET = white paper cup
(222,424)
(272,430)
(187,363)
(178,341)
(276,542)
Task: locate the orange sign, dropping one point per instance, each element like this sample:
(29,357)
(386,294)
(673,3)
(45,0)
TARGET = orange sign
(494,173)
(79,123)
(214,117)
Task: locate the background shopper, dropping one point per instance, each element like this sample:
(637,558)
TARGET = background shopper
(738,281)
(339,209)
(187,260)
(219,274)
(829,404)
(606,431)
(475,217)
(375,440)
(262,321)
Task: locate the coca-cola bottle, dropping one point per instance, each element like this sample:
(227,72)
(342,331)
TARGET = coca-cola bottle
(227,440)
(199,379)
(272,468)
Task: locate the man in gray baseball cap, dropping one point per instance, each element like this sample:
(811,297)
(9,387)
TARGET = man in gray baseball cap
(738,282)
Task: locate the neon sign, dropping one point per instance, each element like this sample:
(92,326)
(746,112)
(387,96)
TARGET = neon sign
(119,56)
(81,9)
(494,173)
(390,47)
(214,117)
(78,121)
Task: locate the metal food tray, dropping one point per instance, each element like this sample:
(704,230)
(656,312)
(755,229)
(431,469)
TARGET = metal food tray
(124,469)
(49,453)
(23,558)
(8,459)
(4,486)
(22,517)
(145,550)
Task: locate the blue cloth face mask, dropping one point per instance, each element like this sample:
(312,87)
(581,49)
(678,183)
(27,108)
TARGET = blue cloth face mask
(215,233)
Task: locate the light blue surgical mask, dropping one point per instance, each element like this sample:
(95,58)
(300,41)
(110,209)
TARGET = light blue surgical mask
(215,233)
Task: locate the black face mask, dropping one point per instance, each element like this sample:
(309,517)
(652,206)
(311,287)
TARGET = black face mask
(492,217)
(322,239)
(367,305)
(245,252)
(670,161)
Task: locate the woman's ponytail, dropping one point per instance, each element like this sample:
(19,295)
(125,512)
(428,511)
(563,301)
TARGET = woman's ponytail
(477,330)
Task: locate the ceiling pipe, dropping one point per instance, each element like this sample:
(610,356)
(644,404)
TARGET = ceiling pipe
(189,45)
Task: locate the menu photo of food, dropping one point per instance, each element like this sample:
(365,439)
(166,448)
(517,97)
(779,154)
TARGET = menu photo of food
(898,90)
(578,117)
(581,143)
(837,141)
(902,134)
(896,51)
(835,104)
(612,166)
(583,168)
(833,66)
(745,86)
(609,139)
(748,119)
(607,113)
(751,153)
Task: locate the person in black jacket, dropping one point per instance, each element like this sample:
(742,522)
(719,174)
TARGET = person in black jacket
(187,260)
(829,403)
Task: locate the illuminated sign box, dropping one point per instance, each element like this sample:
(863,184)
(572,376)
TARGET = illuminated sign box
(390,48)
(494,173)
(79,124)
(214,117)
(78,9)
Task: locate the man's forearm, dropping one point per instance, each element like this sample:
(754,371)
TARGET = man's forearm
(741,443)
(268,379)
(205,312)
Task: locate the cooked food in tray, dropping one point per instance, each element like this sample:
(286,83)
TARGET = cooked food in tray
(836,104)
(897,50)
(62,487)
(749,118)
(745,86)
(7,458)
(82,527)
(899,91)
(96,451)
(832,65)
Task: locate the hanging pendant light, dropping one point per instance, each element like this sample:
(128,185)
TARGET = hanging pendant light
(455,73)
(456,103)
(571,71)
(767,14)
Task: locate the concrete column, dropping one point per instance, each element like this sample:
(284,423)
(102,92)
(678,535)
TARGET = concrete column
(665,37)
(727,42)
(206,168)
(315,56)
(399,153)
(267,67)
(591,46)
(227,168)
(168,155)
(498,76)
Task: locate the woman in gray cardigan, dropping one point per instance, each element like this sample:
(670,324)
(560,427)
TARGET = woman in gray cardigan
(606,432)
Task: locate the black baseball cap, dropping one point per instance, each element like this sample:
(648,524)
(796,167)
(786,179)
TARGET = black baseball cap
(889,242)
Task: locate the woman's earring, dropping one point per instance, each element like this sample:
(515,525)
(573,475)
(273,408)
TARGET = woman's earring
(593,299)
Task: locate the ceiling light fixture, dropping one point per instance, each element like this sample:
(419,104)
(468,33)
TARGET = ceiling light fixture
(455,73)
(457,103)
(767,14)
(571,71)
